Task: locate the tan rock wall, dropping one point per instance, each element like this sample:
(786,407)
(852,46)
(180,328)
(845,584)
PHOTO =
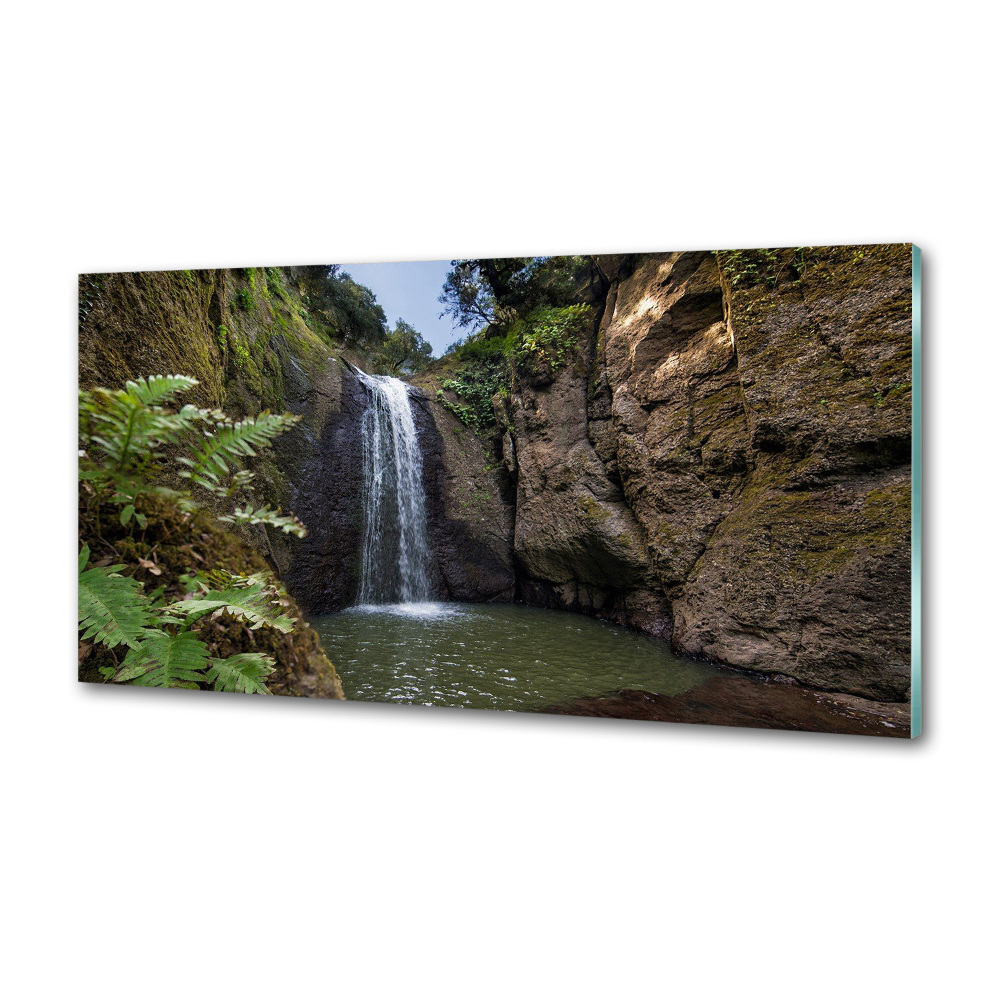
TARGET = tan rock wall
(727,462)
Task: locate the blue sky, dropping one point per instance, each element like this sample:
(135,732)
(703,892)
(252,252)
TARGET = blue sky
(410,290)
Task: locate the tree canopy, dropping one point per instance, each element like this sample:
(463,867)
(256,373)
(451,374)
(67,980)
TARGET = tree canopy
(494,291)
(403,351)
(350,308)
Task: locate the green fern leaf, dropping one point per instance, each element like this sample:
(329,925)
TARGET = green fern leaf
(244,672)
(164,660)
(155,390)
(288,523)
(253,604)
(112,608)
(128,422)
(233,441)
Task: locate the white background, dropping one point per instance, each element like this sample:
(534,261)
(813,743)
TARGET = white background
(194,846)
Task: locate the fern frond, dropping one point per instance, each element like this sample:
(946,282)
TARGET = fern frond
(155,390)
(164,660)
(270,584)
(244,672)
(112,608)
(223,579)
(125,422)
(230,443)
(288,523)
(254,604)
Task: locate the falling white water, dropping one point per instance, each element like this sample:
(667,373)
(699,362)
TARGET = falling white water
(396,558)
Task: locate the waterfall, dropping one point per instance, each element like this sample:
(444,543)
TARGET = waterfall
(396,558)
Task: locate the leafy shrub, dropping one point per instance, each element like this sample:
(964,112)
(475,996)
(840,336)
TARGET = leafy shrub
(543,341)
(485,371)
(746,268)
(486,349)
(547,336)
(274,282)
(476,384)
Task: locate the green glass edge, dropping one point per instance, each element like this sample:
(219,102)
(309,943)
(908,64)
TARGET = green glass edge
(916,661)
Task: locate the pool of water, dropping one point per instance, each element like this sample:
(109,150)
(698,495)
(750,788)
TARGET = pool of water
(516,658)
(500,656)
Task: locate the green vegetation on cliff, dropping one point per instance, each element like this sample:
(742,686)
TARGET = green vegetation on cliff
(243,333)
(528,316)
(145,462)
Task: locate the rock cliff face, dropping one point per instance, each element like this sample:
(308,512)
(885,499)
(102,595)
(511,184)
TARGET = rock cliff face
(469,510)
(322,461)
(725,463)
(579,544)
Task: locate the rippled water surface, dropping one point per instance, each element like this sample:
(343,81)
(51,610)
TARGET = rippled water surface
(501,656)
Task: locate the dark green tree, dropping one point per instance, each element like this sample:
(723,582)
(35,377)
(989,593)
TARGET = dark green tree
(360,315)
(495,291)
(350,308)
(403,352)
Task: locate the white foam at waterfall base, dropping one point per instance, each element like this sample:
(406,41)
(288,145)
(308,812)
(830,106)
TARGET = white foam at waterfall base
(428,610)
(396,554)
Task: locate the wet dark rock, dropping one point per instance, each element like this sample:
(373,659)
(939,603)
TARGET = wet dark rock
(469,511)
(322,460)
